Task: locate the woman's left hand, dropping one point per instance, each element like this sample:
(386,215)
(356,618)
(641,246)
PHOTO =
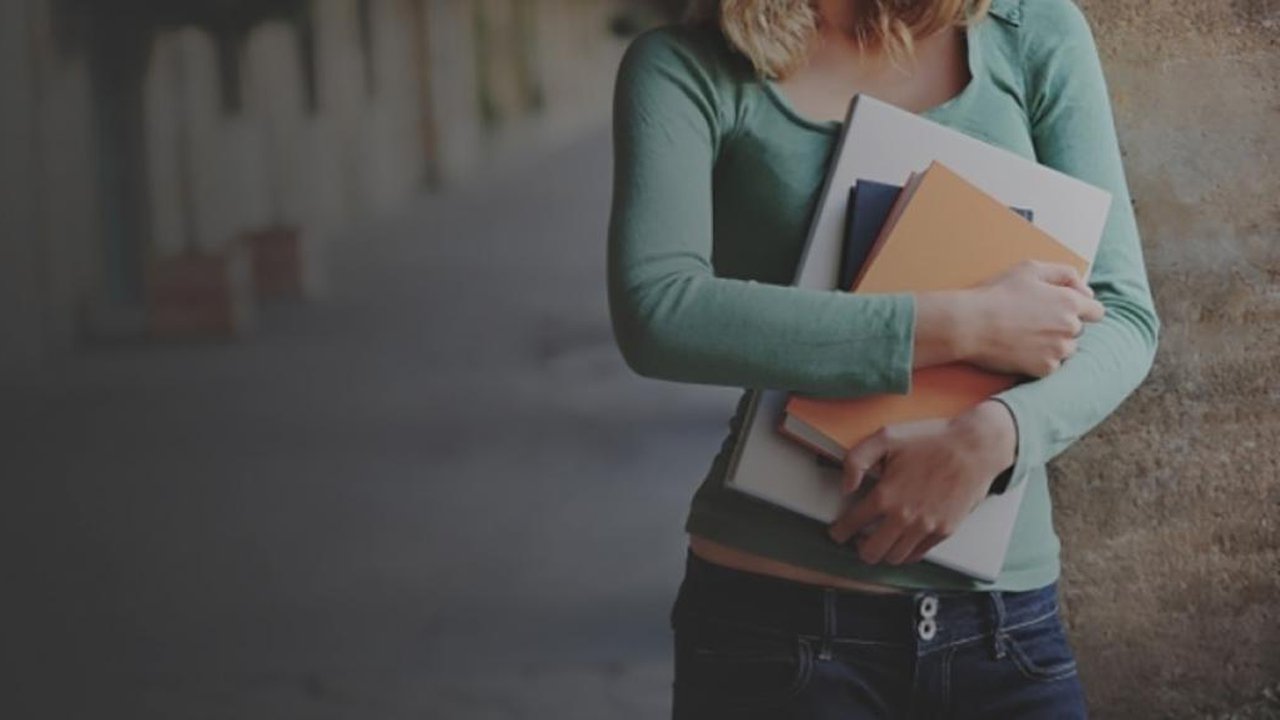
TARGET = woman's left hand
(932,474)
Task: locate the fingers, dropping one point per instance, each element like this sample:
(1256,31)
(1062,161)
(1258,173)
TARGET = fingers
(1059,274)
(1074,325)
(1075,311)
(1090,310)
(1087,307)
(1069,348)
(855,518)
(905,545)
(924,547)
(858,463)
(876,546)
(861,458)
(1060,349)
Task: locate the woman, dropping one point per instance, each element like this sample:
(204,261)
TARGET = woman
(723,129)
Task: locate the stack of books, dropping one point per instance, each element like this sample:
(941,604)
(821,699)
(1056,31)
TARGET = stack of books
(940,232)
(910,205)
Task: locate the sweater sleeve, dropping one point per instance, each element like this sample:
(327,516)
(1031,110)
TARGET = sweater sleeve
(1073,131)
(673,318)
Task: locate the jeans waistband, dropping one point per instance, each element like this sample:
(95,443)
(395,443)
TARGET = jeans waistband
(923,619)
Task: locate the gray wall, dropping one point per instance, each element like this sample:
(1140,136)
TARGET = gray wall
(1169,511)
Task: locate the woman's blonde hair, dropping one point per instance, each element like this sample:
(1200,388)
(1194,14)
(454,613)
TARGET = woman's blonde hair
(775,34)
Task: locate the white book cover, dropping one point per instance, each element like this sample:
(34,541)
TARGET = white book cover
(884,143)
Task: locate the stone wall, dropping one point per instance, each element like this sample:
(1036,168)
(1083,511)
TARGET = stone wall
(1168,512)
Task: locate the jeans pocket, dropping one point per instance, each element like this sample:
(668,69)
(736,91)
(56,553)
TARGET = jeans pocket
(722,667)
(1040,650)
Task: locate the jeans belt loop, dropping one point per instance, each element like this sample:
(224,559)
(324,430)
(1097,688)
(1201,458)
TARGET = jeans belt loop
(997,633)
(828,622)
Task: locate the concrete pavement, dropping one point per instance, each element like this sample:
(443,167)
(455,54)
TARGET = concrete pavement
(435,493)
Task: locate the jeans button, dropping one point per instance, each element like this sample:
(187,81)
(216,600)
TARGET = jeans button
(929,606)
(927,628)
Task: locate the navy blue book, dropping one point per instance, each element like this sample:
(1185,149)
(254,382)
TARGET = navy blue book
(869,205)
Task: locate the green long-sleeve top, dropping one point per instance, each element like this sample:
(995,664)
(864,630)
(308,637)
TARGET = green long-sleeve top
(715,179)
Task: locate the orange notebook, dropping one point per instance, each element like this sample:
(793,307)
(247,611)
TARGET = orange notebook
(944,234)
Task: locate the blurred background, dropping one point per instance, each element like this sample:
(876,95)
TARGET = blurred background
(309,405)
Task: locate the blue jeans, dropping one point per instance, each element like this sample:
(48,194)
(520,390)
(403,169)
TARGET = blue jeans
(755,646)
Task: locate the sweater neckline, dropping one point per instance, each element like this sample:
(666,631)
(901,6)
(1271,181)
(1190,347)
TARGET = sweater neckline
(973,57)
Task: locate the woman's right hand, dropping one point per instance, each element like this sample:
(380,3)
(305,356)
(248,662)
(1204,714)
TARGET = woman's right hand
(1028,319)
(1024,321)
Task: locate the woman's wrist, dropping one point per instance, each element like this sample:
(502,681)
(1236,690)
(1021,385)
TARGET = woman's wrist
(948,326)
(989,428)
